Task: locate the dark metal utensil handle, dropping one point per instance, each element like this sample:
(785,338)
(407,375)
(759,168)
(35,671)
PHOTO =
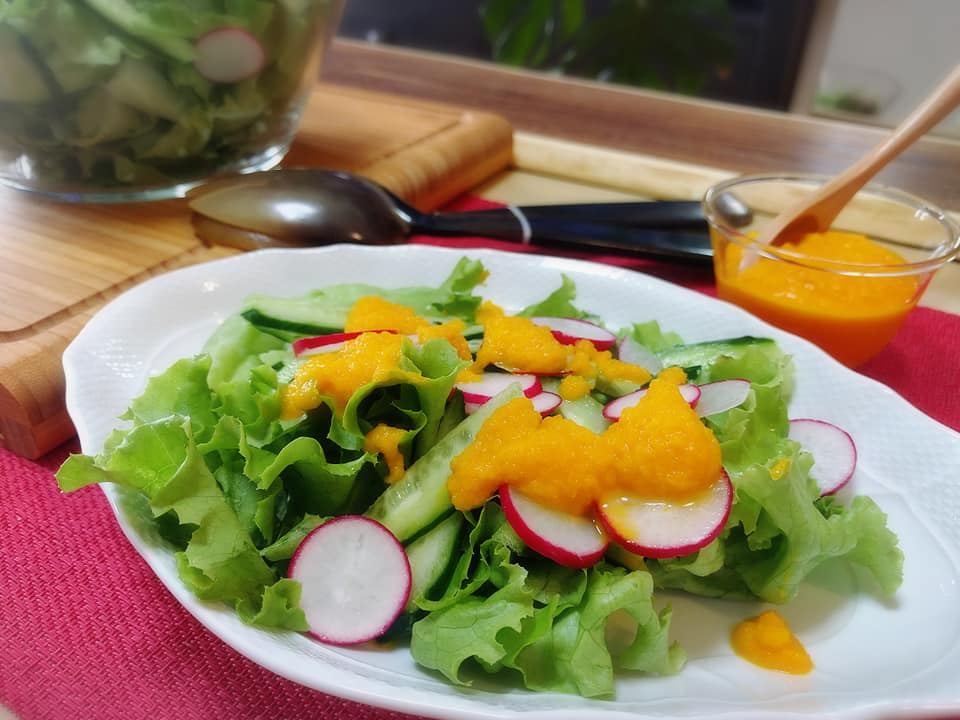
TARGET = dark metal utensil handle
(676,244)
(674,229)
(514,223)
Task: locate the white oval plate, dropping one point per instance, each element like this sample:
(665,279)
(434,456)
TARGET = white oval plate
(873,658)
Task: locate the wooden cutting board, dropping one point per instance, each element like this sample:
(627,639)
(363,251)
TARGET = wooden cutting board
(59,262)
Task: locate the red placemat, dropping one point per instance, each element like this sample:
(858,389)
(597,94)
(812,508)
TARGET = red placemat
(89,632)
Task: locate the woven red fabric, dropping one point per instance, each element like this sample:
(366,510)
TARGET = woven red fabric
(88,632)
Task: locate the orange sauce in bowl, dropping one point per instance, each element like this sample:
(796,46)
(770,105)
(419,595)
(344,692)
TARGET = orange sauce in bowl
(851,317)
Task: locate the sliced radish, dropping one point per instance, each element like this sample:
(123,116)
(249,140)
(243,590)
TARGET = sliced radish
(566,539)
(327,343)
(630,351)
(544,403)
(614,409)
(228,55)
(834,452)
(666,529)
(355,579)
(492,384)
(720,396)
(322,343)
(570,330)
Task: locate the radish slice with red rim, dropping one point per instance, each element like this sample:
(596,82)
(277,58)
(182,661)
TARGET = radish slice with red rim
(321,343)
(834,452)
(614,409)
(355,579)
(544,403)
(630,351)
(228,55)
(492,384)
(667,529)
(722,395)
(570,330)
(568,540)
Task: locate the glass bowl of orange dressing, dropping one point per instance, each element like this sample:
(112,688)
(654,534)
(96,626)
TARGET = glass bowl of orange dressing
(847,289)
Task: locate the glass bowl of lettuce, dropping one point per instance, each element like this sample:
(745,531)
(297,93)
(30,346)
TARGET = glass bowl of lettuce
(127,100)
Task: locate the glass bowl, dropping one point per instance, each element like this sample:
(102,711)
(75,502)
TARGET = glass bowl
(849,294)
(103,101)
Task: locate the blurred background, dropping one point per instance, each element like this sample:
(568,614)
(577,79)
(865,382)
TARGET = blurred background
(867,61)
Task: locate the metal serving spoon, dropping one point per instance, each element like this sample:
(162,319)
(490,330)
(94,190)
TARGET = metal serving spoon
(318,207)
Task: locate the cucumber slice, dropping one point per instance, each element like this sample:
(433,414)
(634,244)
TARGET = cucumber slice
(421,499)
(585,411)
(431,555)
(290,318)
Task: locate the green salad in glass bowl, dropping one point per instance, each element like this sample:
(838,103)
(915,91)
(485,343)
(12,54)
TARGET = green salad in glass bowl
(106,100)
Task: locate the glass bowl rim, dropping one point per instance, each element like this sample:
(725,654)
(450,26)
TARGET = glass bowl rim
(945,254)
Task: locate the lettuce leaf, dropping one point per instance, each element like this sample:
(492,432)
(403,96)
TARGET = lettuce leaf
(160,459)
(651,336)
(232,486)
(328,307)
(779,531)
(559,303)
(514,612)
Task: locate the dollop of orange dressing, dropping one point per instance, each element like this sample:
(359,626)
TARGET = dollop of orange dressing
(374,313)
(574,387)
(768,642)
(518,344)
(370,357)
(385,440)
(659,449)
(849,316)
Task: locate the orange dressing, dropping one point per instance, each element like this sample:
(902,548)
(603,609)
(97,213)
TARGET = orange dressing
(659,448)
(780,468)
(768,642)
(385,440)
(565,466)
(574,387)
(851,317)
(371,357)
(375,313)
(518,344)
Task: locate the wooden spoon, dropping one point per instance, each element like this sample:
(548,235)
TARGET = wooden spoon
(816,212)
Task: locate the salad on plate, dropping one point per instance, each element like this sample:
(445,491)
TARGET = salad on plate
(503,493)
